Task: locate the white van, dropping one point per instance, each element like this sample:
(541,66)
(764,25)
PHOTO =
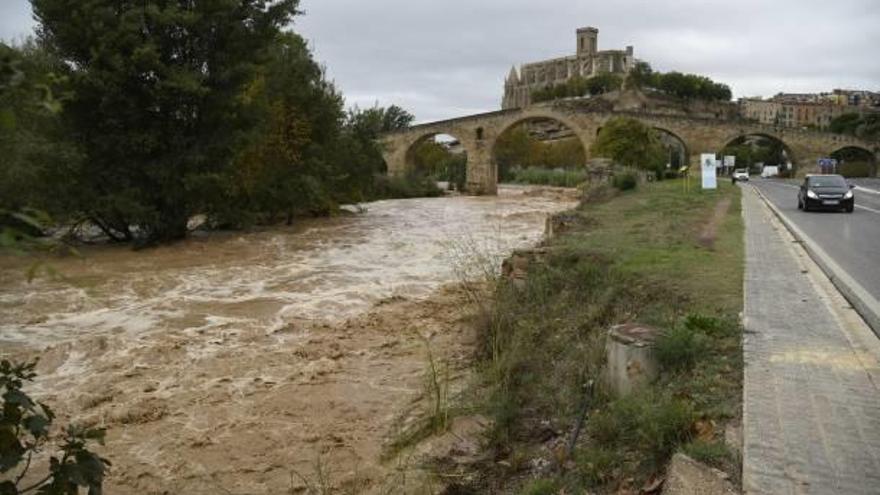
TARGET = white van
(770,171)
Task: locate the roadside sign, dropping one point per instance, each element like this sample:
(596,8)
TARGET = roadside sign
(708,163)
(827,165)
(729,161)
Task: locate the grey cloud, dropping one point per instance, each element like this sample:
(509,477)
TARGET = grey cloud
(443,59)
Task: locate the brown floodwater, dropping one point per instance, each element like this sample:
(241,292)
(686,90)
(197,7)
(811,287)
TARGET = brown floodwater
(241,360)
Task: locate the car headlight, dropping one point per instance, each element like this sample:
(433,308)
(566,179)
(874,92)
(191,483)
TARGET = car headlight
(848,195)
(812,195)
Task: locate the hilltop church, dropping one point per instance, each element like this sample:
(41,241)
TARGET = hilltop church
(588,62)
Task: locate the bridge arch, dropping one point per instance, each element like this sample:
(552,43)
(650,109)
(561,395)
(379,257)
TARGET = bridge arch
(785,152)
(542,114)
(671,140)
(560,142)
(855,161)
(446,152)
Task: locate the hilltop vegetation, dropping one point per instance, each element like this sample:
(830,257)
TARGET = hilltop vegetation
(136,117)
(684,86)
(578,87)
(865,126)
(677,84)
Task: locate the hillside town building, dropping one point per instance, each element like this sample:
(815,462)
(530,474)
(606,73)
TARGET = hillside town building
(815,110)
(588,61)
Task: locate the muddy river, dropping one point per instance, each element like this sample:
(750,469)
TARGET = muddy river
(268,361)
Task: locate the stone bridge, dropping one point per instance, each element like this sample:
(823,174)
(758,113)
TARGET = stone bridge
(703,132)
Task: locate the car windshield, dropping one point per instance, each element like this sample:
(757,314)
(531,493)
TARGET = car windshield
(740,170)
(830,181)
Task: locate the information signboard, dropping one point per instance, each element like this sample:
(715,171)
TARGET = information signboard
(729,161)
(710,178)
(827,165)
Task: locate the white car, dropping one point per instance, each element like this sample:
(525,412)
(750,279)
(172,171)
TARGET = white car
(740,174)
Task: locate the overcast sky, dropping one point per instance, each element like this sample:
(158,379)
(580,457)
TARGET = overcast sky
(449,58)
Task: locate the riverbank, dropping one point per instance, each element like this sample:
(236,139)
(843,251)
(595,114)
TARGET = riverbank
(660,256)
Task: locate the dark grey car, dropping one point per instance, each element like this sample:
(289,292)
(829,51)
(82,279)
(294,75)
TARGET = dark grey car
(826,192)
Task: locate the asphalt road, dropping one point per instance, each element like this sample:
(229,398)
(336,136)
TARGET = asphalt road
(851,239)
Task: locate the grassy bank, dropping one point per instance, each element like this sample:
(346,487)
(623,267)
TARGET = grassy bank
(548,176)
(659,256)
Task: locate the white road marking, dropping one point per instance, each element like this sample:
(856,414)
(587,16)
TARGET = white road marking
(869,191)
(872,210)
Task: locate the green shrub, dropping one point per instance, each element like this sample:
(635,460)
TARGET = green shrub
(549,176)
(595,465)
(412,186)
(710,325)
(25,433)
(856,169)
(625,182)
(542,487)
(650,422)
(664,426)
(715,454)
(680,347)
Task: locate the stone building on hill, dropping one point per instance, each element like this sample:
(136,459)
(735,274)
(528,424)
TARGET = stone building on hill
(587,62)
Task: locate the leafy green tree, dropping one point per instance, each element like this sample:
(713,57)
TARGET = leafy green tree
(375,121)
(436,161)
(518,149)
(577,87)
(360,148)
(630,143)
(158,100)
(35,152)
(865,126)
(847,123)
(641,76)
(431,157)
(287,166)
(685,86)
(25,427)
(514,149)
(752,150)
(603,83)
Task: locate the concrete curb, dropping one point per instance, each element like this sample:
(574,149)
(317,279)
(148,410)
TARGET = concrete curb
(863,302)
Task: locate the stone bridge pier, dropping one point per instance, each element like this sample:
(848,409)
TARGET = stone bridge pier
(697,133)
